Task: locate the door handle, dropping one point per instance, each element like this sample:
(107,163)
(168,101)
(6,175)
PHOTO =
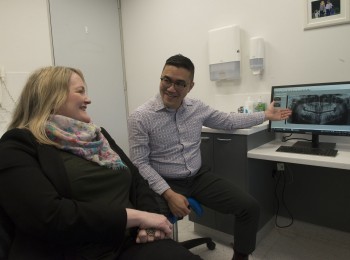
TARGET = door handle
(223,140)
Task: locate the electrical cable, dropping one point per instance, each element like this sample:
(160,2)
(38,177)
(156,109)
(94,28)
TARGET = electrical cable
(4,87)
(282,173)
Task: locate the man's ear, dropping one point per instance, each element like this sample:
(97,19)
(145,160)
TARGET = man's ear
(191,86)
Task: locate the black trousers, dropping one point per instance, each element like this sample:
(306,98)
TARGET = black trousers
(225,197)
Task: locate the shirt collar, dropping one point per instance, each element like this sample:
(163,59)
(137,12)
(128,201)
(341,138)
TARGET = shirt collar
(158,104)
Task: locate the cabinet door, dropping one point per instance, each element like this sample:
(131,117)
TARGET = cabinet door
(208,218)
(227,156)
(230,157)
(207,150)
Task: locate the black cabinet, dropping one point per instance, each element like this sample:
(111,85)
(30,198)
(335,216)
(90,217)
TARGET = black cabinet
(230,153)
(226,155)
(207,152)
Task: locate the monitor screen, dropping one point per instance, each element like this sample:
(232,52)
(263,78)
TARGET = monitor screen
(318,109)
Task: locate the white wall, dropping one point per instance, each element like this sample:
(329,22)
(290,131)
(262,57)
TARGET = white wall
(25,35)
(157,29)
(24,46)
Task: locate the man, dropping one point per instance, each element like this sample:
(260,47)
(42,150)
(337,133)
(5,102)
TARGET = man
(164,137)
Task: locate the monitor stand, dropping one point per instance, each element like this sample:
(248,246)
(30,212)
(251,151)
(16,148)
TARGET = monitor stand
(315,143)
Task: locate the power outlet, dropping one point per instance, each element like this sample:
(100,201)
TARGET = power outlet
(280,166)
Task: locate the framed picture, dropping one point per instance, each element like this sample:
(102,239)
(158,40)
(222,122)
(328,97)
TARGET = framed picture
(326,13)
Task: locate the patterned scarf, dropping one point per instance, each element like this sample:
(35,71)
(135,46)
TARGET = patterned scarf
(82,139)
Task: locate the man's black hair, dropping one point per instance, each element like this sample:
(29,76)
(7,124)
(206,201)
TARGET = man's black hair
(181,61)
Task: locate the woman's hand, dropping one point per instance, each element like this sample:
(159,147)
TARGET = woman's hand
(149,235)
(147,221)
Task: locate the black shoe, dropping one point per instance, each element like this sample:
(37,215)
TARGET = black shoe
(237,255)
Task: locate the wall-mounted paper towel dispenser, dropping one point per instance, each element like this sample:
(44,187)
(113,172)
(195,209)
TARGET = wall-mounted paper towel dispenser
(224,53)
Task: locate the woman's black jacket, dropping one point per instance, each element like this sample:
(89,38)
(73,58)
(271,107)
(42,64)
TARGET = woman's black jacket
(38,218)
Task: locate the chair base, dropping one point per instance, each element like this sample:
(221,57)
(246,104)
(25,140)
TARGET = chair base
(199,241)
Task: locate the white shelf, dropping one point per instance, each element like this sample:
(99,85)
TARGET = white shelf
(268,152)
(244,131)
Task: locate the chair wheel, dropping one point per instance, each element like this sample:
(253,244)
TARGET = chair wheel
(211,245)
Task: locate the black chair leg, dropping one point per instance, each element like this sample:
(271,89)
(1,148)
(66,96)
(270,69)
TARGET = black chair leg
(199,241)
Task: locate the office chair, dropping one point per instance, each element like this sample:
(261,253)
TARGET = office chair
(196,207)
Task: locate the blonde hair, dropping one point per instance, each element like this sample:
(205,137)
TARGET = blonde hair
(45,91)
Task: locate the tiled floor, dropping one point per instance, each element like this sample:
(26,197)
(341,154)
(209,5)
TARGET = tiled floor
(301,241)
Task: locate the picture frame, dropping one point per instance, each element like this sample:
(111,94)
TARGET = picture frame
(319,13)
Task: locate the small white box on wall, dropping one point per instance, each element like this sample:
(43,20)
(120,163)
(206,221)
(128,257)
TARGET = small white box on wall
(257,54)
(224,53)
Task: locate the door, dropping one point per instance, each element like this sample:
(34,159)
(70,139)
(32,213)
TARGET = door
(86,35)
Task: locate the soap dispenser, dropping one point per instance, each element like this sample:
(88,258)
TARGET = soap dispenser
(248,106)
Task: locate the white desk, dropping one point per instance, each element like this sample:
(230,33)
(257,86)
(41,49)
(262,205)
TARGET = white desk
(243,131)
(317,182)
(268,152)
(320,183)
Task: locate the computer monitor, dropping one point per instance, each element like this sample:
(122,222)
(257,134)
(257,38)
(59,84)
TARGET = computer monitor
(317,109)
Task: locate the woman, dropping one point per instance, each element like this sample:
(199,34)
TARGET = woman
(67,191)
